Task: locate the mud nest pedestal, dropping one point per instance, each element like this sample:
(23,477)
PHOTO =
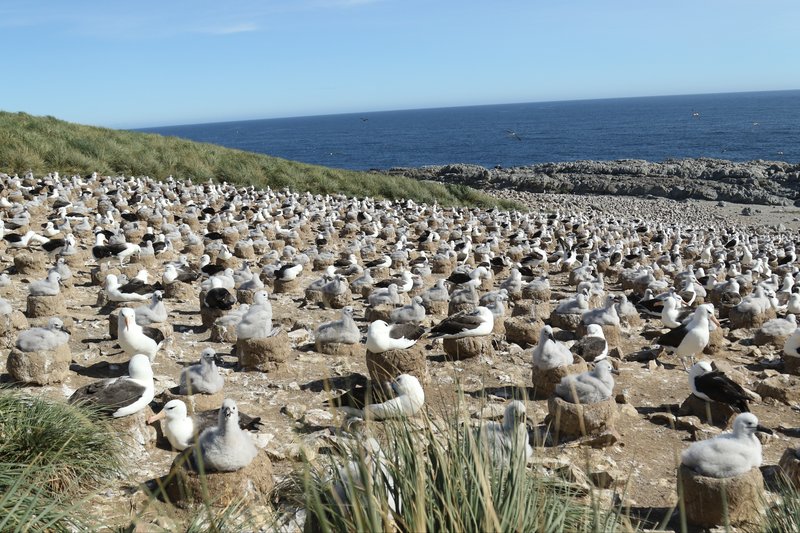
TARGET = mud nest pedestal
(707,499)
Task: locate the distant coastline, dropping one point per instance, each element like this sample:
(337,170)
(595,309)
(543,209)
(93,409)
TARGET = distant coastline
(753,182)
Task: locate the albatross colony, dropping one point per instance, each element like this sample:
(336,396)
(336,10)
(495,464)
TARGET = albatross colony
(250,235)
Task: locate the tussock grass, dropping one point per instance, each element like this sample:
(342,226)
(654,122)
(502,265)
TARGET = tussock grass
(51,456)
(436,476)
(784,517)
(46,144)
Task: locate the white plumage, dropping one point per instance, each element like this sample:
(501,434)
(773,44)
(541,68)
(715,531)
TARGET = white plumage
(730,454)
(47,338)
(549,353)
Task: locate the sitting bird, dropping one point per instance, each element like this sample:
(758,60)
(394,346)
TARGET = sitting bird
(593,386)
(50,286)
(382,337)
(507,441)
(42,339)
(121,396)
(549,353)
(155,313)
(343,331)
(729,454)
(225,447)
(203,377)
(182,430)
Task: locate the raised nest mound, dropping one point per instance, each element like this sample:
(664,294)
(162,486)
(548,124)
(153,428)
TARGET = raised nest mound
(748,318)
(379,312)
(337,301)
(714,413)
(286,286)
(184,486)
(572,420)
(468,347)
(265,354)
(545,381)
(523,330)
(791,364)
(39,368)
(339,348)
(386,366)
(708,500)
(10,324)
(436,308)
(222,332)
(610,332)
(45,306)
(30,263)
(566,321)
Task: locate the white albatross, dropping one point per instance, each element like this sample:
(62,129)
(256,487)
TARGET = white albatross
(475,323)
(135,339)
(121,396)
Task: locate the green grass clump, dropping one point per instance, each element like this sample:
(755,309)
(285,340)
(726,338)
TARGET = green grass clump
(438,477)
(51,456)
(46,144)
(784,517)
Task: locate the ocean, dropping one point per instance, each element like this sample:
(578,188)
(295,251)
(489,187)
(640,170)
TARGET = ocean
(735,126)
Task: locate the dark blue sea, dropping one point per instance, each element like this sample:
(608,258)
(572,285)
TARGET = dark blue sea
(735,126)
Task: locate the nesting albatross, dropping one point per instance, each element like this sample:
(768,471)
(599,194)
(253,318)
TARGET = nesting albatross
(121,396)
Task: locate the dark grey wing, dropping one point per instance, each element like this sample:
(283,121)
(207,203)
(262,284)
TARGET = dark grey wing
(155,334)
(108,394)
(590,347)
(457,323)
(408,331)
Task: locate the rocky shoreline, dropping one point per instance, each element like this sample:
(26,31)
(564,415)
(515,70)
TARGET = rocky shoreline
(753,182)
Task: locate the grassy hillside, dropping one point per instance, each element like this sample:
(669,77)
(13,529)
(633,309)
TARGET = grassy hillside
(46,144)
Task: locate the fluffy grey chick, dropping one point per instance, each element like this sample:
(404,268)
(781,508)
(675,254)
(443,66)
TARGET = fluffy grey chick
(203,377)
(413,313)
(343,330)
(593,386)
(50,286)
(155,313)
(47,338)
(226,447)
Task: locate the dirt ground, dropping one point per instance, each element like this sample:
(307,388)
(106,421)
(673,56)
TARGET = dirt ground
(642,464)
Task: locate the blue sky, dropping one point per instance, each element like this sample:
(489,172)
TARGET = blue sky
(150,63)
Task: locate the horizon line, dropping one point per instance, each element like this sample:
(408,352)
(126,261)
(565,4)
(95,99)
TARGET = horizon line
(433,108)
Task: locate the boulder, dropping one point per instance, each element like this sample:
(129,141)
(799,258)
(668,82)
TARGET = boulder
(265,354)
(40,368)
(572,420)
(184,485)
(783,387)
(468,347)
(713,501)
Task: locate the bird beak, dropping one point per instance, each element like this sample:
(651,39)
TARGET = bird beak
(228,412)
(715,321)
(127,323)
(65,330)
(614,371)
(763,429)
(155,418)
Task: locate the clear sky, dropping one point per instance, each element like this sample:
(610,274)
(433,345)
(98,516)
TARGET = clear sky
(150,63)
